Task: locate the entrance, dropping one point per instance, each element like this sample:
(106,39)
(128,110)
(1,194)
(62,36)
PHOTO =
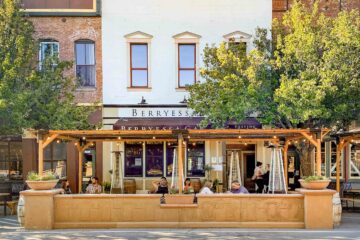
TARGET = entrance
(247,162)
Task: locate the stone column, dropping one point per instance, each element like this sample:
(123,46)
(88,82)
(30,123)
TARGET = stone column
(318,208)
(39,208)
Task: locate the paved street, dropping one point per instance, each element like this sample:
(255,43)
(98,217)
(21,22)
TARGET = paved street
(350,229)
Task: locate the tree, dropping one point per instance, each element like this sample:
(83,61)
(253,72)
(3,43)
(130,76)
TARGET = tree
(31,97)
(308,76)
(16,54)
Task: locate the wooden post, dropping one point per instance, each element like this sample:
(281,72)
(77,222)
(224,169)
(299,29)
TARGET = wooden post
(286,147)
(318,157)
(338,150)
(80,170)
(180,162)
(41,157)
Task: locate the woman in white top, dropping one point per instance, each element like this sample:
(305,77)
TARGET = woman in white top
(206,188)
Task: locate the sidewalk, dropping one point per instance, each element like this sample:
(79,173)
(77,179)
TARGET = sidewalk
(349,229)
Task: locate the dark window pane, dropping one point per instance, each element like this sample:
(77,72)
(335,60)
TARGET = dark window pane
(154,160)
(59,151)
(4,151)
(139,78)
(170,148)
(86,75)
(187,56)
(186,77)
(196,160)
(16,170)
(133,160)
(15,151)
(4,170)
(138,56)
(47,152)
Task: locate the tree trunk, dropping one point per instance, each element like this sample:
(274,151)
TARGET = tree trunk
(305,150)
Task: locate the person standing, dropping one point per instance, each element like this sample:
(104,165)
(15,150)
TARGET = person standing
(258,177)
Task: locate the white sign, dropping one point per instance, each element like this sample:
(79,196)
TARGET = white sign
(160,112)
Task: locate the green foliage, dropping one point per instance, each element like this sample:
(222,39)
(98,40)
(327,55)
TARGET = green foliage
(48,176)
(29,97)
(314,178)
(319,59)
(309,75)
(234,86)
(106,186)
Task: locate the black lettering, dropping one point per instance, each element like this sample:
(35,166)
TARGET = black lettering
(143,113)
(158,113)
(150,113)
(180,113)
(186,113)
(166,112)
(173,113)
(134,112)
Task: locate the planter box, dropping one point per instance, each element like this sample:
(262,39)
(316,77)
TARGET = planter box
(42,185)
(315,185)
(179,199)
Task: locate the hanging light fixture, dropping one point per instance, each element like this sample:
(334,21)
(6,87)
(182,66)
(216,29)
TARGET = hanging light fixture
(184,101)
(143,101)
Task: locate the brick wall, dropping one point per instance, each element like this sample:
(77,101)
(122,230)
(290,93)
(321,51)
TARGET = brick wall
(67,30)
(329,7)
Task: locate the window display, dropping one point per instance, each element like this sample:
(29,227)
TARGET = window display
(154,160)
(196,159)
(133,160)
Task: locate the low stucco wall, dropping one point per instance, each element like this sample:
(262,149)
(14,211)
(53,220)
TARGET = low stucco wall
(220,210)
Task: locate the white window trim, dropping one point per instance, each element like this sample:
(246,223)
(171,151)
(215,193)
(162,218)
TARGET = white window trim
(138,37)
(183,38)
(238,36)
(40,48)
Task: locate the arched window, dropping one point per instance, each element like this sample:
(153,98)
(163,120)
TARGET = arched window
(85,62)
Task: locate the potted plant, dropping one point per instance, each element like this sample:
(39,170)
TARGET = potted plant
(106,187)
(46,181)
(314,182)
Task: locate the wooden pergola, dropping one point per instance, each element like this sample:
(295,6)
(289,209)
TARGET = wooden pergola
(343,139)
(85,138)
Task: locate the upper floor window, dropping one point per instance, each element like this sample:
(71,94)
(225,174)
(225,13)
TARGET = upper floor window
(85,63)
(187,45)
(48,48)
(139,74)
(186,64)
(139,64)
(238,41)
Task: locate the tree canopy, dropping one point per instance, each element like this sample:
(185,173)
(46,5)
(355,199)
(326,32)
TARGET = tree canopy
(308,74)
(31,97)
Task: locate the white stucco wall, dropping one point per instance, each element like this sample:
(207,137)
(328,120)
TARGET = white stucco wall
(211,19)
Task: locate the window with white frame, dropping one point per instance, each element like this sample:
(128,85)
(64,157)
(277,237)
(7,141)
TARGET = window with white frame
(139,44)
(187,45)
(48,48)
(354,161)
(85,63)
(238,41)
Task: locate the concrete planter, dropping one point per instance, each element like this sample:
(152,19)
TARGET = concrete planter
(42,185)
(179,199)
(314,185)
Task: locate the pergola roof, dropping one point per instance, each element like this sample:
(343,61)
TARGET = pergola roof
(192,134)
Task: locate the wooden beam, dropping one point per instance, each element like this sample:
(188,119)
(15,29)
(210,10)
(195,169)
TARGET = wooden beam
(41,157)
(49,140)
(180,162)
(309,138)
(318,157)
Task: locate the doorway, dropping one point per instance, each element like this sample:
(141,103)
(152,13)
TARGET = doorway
(247,162)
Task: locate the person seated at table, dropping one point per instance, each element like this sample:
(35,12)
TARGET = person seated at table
(188,189)
(161,186)
(94,187)
(65,185)
(236,188)
(207,188)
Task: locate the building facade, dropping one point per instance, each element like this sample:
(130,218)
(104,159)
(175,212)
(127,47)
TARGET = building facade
(151,52)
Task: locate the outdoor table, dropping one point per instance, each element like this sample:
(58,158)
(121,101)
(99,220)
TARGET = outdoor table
(4,196)
(354,193)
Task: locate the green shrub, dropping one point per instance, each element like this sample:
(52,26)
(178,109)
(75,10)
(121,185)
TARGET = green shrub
(33,176)
(314,178)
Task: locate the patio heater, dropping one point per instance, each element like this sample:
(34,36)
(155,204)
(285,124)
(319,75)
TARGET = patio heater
(277,176)
(117,183)
(234,173)
(175,171)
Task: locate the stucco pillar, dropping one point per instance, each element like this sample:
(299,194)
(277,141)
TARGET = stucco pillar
(318,208)
(39,209)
